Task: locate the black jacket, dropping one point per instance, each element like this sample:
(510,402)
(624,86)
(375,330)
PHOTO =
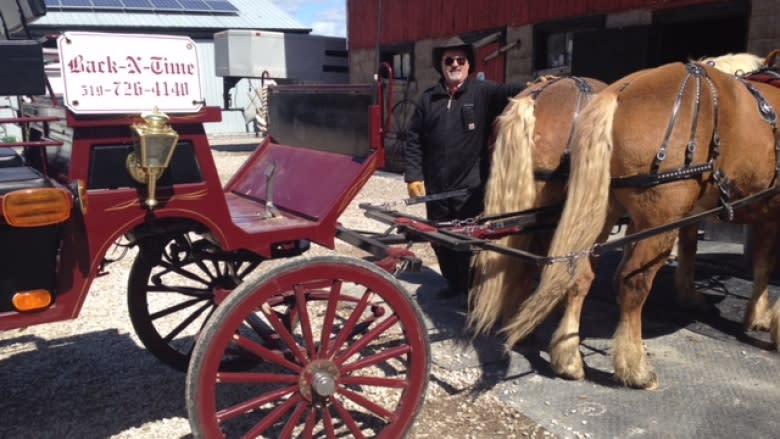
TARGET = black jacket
(447,147)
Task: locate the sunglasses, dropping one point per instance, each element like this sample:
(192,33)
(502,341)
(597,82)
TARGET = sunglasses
(461,60)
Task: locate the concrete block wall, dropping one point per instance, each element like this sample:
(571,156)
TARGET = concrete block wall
(763,32)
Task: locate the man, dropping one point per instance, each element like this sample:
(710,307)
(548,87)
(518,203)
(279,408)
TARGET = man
(448,147)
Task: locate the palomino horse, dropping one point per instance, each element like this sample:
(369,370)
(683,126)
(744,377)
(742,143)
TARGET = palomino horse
(661,145)
(538,124)
(532,137)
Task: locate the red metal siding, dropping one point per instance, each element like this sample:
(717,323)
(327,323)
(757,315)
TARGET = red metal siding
(411,20)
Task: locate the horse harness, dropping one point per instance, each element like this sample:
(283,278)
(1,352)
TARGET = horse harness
(728,193)
(584,95)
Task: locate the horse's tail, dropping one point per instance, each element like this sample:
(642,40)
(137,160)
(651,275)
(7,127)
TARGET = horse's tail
(510,188)
(582,219)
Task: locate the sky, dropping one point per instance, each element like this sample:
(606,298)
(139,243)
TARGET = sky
(325,17)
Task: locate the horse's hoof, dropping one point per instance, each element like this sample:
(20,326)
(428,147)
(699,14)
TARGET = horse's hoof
(650,382)
(757,324)
(571,371)
(573,375)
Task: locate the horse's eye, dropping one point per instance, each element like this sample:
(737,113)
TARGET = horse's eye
(711,63)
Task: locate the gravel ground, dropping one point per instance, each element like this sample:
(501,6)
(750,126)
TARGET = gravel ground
(92,378)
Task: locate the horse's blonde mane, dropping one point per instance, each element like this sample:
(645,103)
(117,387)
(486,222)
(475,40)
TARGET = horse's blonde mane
(737,64)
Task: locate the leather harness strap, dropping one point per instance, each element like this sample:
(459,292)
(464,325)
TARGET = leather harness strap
(719,178)
(584,95)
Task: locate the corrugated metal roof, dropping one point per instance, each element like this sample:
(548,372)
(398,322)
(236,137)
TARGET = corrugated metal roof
(253,14)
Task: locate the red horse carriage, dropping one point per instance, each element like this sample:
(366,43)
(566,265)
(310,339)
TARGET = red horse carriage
(327,344)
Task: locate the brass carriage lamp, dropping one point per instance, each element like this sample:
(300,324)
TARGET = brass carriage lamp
(152,151)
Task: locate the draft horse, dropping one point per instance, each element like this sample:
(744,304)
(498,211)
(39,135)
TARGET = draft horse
(662,146)
(528,170)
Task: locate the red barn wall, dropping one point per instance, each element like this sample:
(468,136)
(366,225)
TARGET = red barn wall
(413,20)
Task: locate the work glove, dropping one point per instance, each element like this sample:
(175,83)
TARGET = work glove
(416,189)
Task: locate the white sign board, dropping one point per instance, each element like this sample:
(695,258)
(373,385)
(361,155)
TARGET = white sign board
(127,73)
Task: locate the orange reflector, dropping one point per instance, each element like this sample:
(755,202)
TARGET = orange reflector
(33,300)
(37,207)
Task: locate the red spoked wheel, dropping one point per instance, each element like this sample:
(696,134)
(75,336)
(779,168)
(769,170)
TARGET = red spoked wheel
(342,350)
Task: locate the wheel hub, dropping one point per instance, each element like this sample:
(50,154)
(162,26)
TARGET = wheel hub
(318,380)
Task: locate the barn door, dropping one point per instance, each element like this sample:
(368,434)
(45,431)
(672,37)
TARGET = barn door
(491,62)
(610,54)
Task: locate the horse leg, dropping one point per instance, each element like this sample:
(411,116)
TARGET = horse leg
(687,295)
(774,327)
(757,315)
(565,356)
(635,279)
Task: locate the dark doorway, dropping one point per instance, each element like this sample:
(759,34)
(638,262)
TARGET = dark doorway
(678,34)
(706,30)
(610,54)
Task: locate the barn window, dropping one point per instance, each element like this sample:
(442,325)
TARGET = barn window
(401,58)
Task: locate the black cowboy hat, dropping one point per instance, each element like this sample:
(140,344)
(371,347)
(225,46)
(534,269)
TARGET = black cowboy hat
(454,43)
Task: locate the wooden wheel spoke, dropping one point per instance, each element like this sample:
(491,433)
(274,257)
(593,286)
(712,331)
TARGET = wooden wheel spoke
(266,354)
(348,420)
(346,330)
(376,358)
(174,308)
(395,383)
(200,293)
(303,312)
(287,432)
(270,419)
(368,338)
(364,402)
(330,317)
(256,378)
(284,333)
(184,273)
(311,421)
(253,404)
(327,421)
(186,322)
(248,269)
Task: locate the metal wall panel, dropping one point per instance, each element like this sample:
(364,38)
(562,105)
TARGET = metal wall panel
(406,21)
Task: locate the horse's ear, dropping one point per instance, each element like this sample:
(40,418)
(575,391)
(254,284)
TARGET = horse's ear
(770,59)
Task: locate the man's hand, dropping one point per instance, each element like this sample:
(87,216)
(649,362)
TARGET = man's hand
(416,189)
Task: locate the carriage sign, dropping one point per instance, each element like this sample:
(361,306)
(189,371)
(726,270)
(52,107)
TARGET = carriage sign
(129,73)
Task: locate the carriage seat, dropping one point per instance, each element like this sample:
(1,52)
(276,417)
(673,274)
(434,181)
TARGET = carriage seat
(9,158)
(21,177)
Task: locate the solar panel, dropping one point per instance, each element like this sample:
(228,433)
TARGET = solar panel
(166,5)
(221,5)
(108,4)
(197,6)
(76,3)
(138,4)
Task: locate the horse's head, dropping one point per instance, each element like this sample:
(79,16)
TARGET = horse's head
(734,63)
